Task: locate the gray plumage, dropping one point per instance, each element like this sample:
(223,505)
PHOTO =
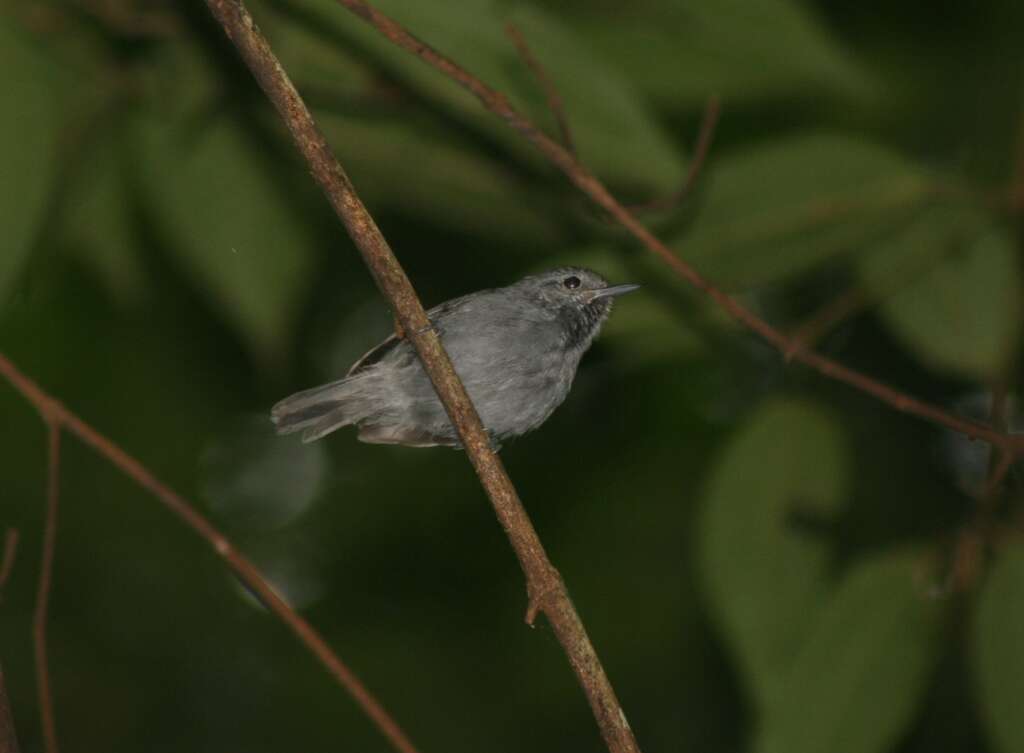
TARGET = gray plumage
(515,348)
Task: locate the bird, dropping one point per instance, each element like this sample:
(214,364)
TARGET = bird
(516,350)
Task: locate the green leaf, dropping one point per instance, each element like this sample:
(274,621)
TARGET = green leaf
(34,91)
(380,144)
(950,285)
(862,671)
(762,574)
(744,50)
(998,651)
(230,225)
(774,211)
(98,224)
(452,185)
(617,134)
(316,61)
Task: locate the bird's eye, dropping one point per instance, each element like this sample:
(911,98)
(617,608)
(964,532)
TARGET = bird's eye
(571,282)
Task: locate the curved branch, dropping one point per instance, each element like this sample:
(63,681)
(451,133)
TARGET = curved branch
(545,588)
(586,182)
(55,414)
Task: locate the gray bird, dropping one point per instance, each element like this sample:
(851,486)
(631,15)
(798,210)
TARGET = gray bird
(515,348)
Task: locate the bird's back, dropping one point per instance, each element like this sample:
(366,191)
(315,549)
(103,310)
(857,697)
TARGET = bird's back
(510,356)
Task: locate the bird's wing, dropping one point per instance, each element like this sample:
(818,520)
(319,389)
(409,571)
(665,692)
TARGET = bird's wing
(374,355)
(378,352)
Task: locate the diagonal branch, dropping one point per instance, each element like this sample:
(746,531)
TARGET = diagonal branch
(55,414)
(546,83)
(701,148)
(586,182)
(546,590)
(708,123)
(844,306)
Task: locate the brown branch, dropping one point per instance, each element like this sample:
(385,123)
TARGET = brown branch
(10,552)
(546,591)
(499,104)
(54,412)
(700,153)
(43,592)
(8,739)
(554,99)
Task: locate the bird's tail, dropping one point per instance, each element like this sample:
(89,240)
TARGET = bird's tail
(318,411)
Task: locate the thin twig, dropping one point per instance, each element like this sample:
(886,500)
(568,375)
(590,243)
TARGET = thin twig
(237,562)
(1000,461)
(700,153)
(10,552)
(554,99)
(970,545)
(998,474)
(545,588)
(43,593)
(499,104)
(557,107)
(808,334)
(8,739)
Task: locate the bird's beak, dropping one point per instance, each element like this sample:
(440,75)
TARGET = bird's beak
(614,290)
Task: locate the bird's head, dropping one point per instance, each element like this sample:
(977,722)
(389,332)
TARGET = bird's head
(580,298)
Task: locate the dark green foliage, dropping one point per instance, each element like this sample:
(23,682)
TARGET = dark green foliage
(763,557)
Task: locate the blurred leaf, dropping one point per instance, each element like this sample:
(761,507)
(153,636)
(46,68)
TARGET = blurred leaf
(861,673)
(998,651)
(181,80)
(404,166)
(951,290)
(33,89)
(775,210)
(743,50)
(230,225)
(98,222)
(317,63)
(402,162)
(763,575)
(616,133)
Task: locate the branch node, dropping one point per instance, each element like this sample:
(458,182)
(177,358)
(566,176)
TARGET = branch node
(549,587)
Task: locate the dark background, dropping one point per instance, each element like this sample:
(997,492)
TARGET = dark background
(766,560)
